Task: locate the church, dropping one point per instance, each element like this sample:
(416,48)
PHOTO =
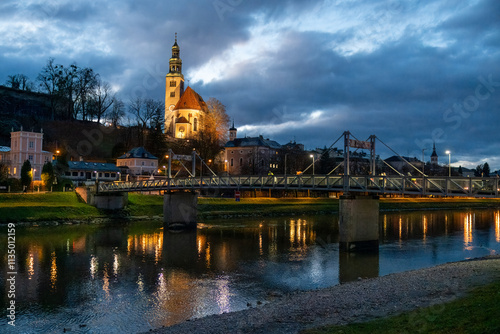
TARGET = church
(185,109)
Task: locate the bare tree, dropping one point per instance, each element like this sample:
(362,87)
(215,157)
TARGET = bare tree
(20,81)
(101,99)
(85,85)
(148,113)
(116,112)
(59,82)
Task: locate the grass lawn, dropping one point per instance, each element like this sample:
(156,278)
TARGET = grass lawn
(478,312)
(43,206)
(60,206)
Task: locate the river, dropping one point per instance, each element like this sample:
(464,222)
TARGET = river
(129,277)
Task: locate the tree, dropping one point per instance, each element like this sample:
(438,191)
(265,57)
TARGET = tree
(101,100)
(214,130)
(59,82)
(478,172)
(85,84)
(486,170)
(148,113)
(116,112)
(47,175)
(26,175)
(20,81)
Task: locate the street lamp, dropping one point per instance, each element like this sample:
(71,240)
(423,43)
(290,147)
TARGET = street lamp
(449,162)
(312,156)
(423,162)
(165,167)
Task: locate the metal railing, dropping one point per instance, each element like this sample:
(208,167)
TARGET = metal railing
(405,185)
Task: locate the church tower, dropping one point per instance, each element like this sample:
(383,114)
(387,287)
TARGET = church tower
(174,87)
(232,133)
(434,156)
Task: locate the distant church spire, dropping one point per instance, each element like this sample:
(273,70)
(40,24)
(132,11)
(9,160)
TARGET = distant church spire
(434,156)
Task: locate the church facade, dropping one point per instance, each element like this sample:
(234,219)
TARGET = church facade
(185,109)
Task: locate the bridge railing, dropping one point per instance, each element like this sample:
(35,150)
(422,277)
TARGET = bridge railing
(438,186)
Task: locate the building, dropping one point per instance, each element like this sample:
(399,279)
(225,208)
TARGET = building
(25,145)
(403,166)
(82,171)
(251,155)
(138,161)
(185,110)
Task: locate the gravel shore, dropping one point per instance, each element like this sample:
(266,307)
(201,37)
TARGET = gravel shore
(352,302)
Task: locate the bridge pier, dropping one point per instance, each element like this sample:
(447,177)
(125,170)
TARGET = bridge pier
(180,209)
(358,223)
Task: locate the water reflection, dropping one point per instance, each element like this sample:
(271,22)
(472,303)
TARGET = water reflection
(131,277)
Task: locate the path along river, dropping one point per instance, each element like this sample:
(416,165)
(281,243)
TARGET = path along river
(131,277)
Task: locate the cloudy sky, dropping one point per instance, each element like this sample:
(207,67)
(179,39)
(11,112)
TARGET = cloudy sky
(410,72)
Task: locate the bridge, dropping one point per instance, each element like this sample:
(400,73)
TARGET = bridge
(376,185)
(358,205)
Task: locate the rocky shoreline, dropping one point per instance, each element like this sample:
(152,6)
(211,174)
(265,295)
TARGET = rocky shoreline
(353,302)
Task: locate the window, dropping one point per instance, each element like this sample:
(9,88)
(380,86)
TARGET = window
(241,152)
(81,173)
(231,152)
(231,162)
(195,124)
(172,94)
(74,174)
(113,174)
(173,83)
(241,161)
(30,158)
(100,174)
(152,164)
(32,144)
(143,163)
(106,174)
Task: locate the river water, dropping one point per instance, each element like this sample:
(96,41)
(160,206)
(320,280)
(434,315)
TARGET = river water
(130,277)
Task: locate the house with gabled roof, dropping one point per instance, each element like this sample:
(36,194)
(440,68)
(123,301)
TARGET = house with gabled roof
(138,161)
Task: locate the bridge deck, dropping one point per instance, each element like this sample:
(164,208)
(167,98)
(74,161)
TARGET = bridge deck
(407,185)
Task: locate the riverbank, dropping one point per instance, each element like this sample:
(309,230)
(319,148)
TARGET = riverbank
(39,207)
(407,292)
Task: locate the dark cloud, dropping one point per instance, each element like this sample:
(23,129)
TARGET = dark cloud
(407,71)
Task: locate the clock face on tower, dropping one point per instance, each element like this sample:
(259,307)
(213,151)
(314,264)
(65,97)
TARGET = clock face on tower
(171,108)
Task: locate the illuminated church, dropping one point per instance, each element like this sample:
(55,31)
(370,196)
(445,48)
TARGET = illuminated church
(185,110)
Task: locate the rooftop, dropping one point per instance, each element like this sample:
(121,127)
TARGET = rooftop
(138,153)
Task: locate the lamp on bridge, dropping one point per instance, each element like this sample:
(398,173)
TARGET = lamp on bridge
(312,156)
(449,162)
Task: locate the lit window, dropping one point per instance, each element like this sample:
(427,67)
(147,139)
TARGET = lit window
(195,124)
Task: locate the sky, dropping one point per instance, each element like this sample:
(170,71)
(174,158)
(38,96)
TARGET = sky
(411,72)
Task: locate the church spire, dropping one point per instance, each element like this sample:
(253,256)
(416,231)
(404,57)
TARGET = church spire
(175,61)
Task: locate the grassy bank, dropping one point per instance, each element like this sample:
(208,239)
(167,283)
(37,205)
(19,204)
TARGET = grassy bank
(475,313)
(44,206)
(62,206)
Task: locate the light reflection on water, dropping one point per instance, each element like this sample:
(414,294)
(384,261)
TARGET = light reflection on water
(132,277)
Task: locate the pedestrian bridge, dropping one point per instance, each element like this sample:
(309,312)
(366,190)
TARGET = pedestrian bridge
(376,185)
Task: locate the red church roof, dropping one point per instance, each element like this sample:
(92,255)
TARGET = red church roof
(191,100)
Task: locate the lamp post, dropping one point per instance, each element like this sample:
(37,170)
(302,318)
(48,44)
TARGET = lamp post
(449,162)
(312,156)
(286,154)
(165,168)
(423,162)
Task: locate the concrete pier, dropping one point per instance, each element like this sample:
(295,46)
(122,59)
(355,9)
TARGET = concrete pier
(358,223)
(180,209)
